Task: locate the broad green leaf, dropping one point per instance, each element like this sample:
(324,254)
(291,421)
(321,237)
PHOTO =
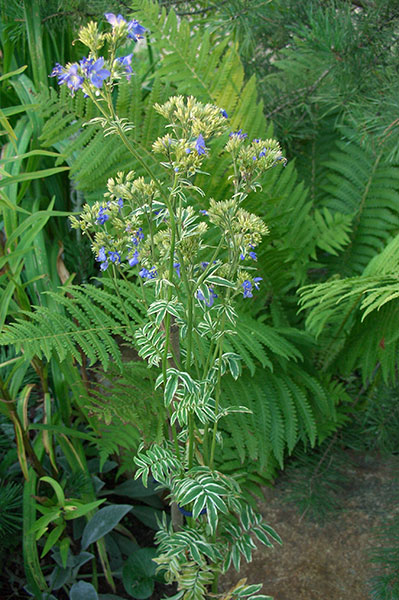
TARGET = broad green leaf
(148,515)
(138,573)
(103,522)
(134,489)
(83,591)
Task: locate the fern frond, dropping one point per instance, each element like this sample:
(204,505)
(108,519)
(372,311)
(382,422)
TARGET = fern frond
(285,407)
(365,186)
(126,397)
(92,317)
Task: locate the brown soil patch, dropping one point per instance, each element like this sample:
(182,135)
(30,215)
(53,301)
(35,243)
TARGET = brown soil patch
(325,562)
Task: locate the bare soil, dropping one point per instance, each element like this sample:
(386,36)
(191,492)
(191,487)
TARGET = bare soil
(330,561)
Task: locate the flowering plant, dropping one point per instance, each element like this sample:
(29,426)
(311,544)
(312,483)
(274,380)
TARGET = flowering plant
(147,231)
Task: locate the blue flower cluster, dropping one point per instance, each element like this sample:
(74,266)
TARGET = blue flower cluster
(75,74)
(247,285)
(238,134)
(135,30)
(93,71)
(102,216)
(148,273)
(102,258)
(126,61)
(251,254)
(136,239)
(200,145)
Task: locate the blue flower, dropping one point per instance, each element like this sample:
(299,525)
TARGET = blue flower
(136,31)
(101,255)
(177,267)
(113,20)
(70,77)
(188,150)
(96,73)
(126,61)
(120,202)
(57,70)
(247,285)
(204,265)
(224,113)
(138,236)
(263,153)
(85,64)
(252,254)
(148,273)
(203,211)
(242,256)
(256,140)
(211,300)
(135,259)
(114,257)
(102,216)
(102,258)
(239,134)
(256,281)
(200,145)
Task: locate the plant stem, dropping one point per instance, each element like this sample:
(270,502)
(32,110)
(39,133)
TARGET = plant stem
(217,399)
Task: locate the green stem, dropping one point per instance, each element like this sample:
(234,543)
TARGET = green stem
(169,295)
(132,149)
(217,399)
(191,440)
(94,578)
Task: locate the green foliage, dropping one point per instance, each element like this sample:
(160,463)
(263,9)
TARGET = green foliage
(10,510)
(285,408)
(320,83)
(359,315)
(363,184)
(92,316)
(286,208)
